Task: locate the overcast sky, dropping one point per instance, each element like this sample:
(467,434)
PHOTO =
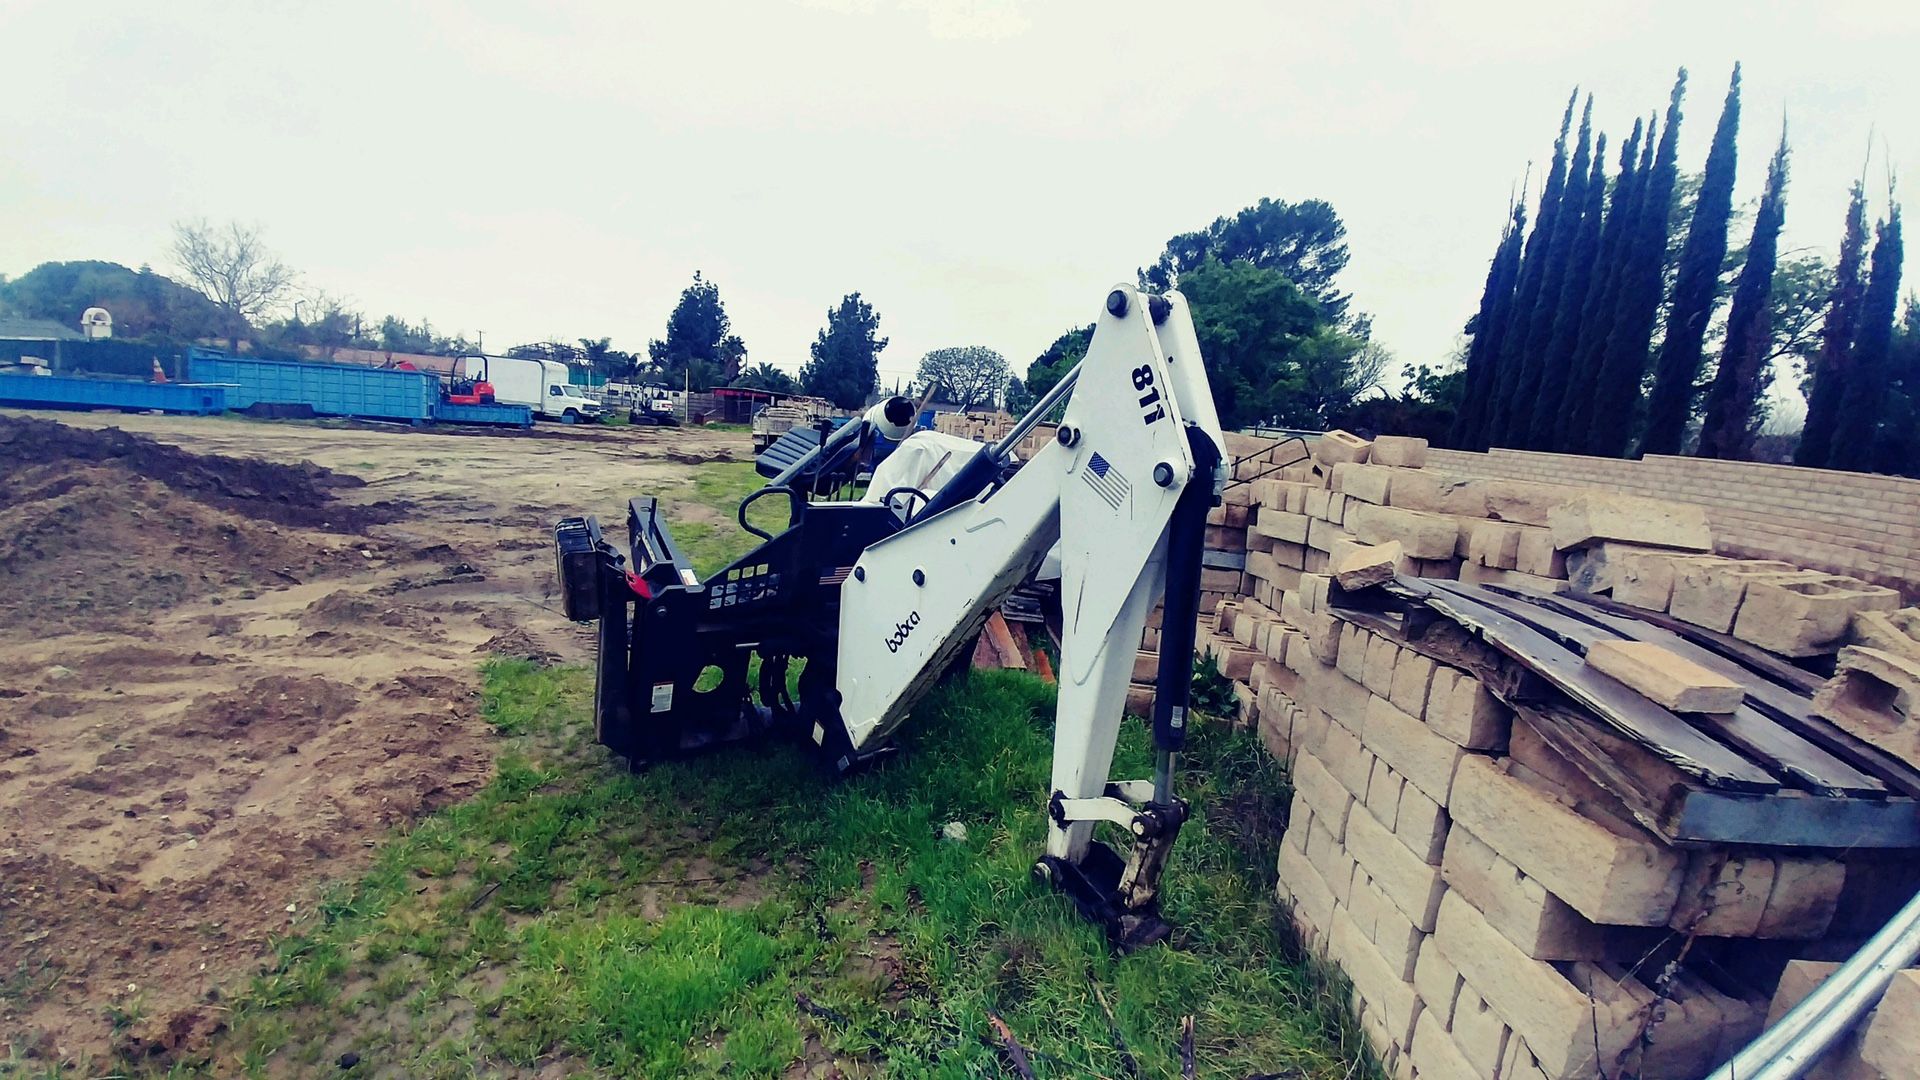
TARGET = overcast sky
(981,171)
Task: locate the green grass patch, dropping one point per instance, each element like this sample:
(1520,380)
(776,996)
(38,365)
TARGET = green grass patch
(667,924)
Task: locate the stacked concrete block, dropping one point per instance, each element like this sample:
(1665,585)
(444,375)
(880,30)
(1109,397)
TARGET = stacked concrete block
(1885,1045)
(1774,605)
(1494,910)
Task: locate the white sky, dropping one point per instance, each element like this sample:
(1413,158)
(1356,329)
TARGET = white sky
(981,170)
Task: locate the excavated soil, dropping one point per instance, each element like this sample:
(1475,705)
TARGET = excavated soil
(234,656)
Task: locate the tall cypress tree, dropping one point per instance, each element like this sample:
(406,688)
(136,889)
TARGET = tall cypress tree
(1540,326)
(1533,273)
(1728,428)
(1834,365)
(1489,326)
(1695,290)
(1871,349)
(1618,387)
(1603,299)
(1555,373)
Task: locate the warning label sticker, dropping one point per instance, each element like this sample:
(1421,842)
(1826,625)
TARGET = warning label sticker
(662,697)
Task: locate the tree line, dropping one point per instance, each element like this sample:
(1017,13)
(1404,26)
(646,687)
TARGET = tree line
(1596,334)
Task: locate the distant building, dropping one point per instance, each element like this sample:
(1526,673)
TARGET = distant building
(38,339)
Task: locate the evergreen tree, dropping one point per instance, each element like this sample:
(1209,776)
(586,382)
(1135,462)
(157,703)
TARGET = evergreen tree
(1695,290)
(1618,386)
(1556,370)
(700,347)
(1834,365)
(1540,324)
(1533,276)
(1576,408)
(1729,426)
(1487,328)
(1872,349)
(845,363)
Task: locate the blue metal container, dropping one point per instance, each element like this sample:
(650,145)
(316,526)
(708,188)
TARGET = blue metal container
(60,392)
(504,415)
(329,389)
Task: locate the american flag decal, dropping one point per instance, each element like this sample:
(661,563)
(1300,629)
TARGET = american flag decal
(1106,481)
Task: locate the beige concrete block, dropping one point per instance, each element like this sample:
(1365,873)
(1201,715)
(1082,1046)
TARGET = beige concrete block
(1806,894)
(1523,501)
(1328,797)
(1589,516)
(1538,923)
(1367,483)
(1595,568)
(1363,566)
(1440,493)
(1281,525)
(1876,696)
(1664,677)
(1723,894)
(1322,630)
(1536,555)
(1314,503)
(1322,535)
(1420,535)
(1354,642)
(1645,578)
(1434,1055)
(1494,544)
(1438,983)
(1289,556)
(1276,727)
(1896,632)
(1421,824)
(1377,674)
(1395,936)
(1412,885)
(1330,858)
(1476,574)
(1463,711)
(1479,1033)
(1400,451)
(1427,760)
(1383,793)
(1316,586)
(1890,1041)
(1707,593)
(1806,617)
(1391,997)
(1557,1019)
(1412,679)
(1628,880)
(1302,886)
(1337,446)
(1310,731)
(1348,761)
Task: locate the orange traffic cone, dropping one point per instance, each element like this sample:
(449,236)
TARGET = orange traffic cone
(159,373)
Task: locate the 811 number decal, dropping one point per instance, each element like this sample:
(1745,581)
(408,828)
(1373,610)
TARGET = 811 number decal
(1151,407)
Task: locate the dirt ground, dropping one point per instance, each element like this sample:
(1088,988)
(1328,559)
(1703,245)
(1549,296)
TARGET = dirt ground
(235,654)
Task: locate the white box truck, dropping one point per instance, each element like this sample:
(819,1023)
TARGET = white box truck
(541,385)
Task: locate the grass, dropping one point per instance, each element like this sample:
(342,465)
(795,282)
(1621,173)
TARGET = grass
(719,486)
(668,924)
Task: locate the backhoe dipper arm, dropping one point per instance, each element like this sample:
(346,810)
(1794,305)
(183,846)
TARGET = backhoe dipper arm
(1125,489)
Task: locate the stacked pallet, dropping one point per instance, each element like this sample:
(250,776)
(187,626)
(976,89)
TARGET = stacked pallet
(980,427)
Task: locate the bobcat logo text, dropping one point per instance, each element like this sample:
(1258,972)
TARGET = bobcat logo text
(901,630)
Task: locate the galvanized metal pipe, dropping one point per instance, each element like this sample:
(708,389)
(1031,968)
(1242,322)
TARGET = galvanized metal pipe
(1789,1048)
(1038,413)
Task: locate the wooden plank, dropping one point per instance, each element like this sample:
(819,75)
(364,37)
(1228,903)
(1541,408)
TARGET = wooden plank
(1752,732)
(1663,800)
(1634,716)
(1742,653)
(1786,707)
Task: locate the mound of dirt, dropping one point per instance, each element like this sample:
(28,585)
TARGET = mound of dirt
(102,542)
(285,494)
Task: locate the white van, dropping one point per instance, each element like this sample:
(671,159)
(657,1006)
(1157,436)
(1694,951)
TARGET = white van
(541,385)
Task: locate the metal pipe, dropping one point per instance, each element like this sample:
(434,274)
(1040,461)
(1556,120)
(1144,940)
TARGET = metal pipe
(1038,413)
(1789,1048)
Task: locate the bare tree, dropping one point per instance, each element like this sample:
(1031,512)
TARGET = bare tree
(232,268)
